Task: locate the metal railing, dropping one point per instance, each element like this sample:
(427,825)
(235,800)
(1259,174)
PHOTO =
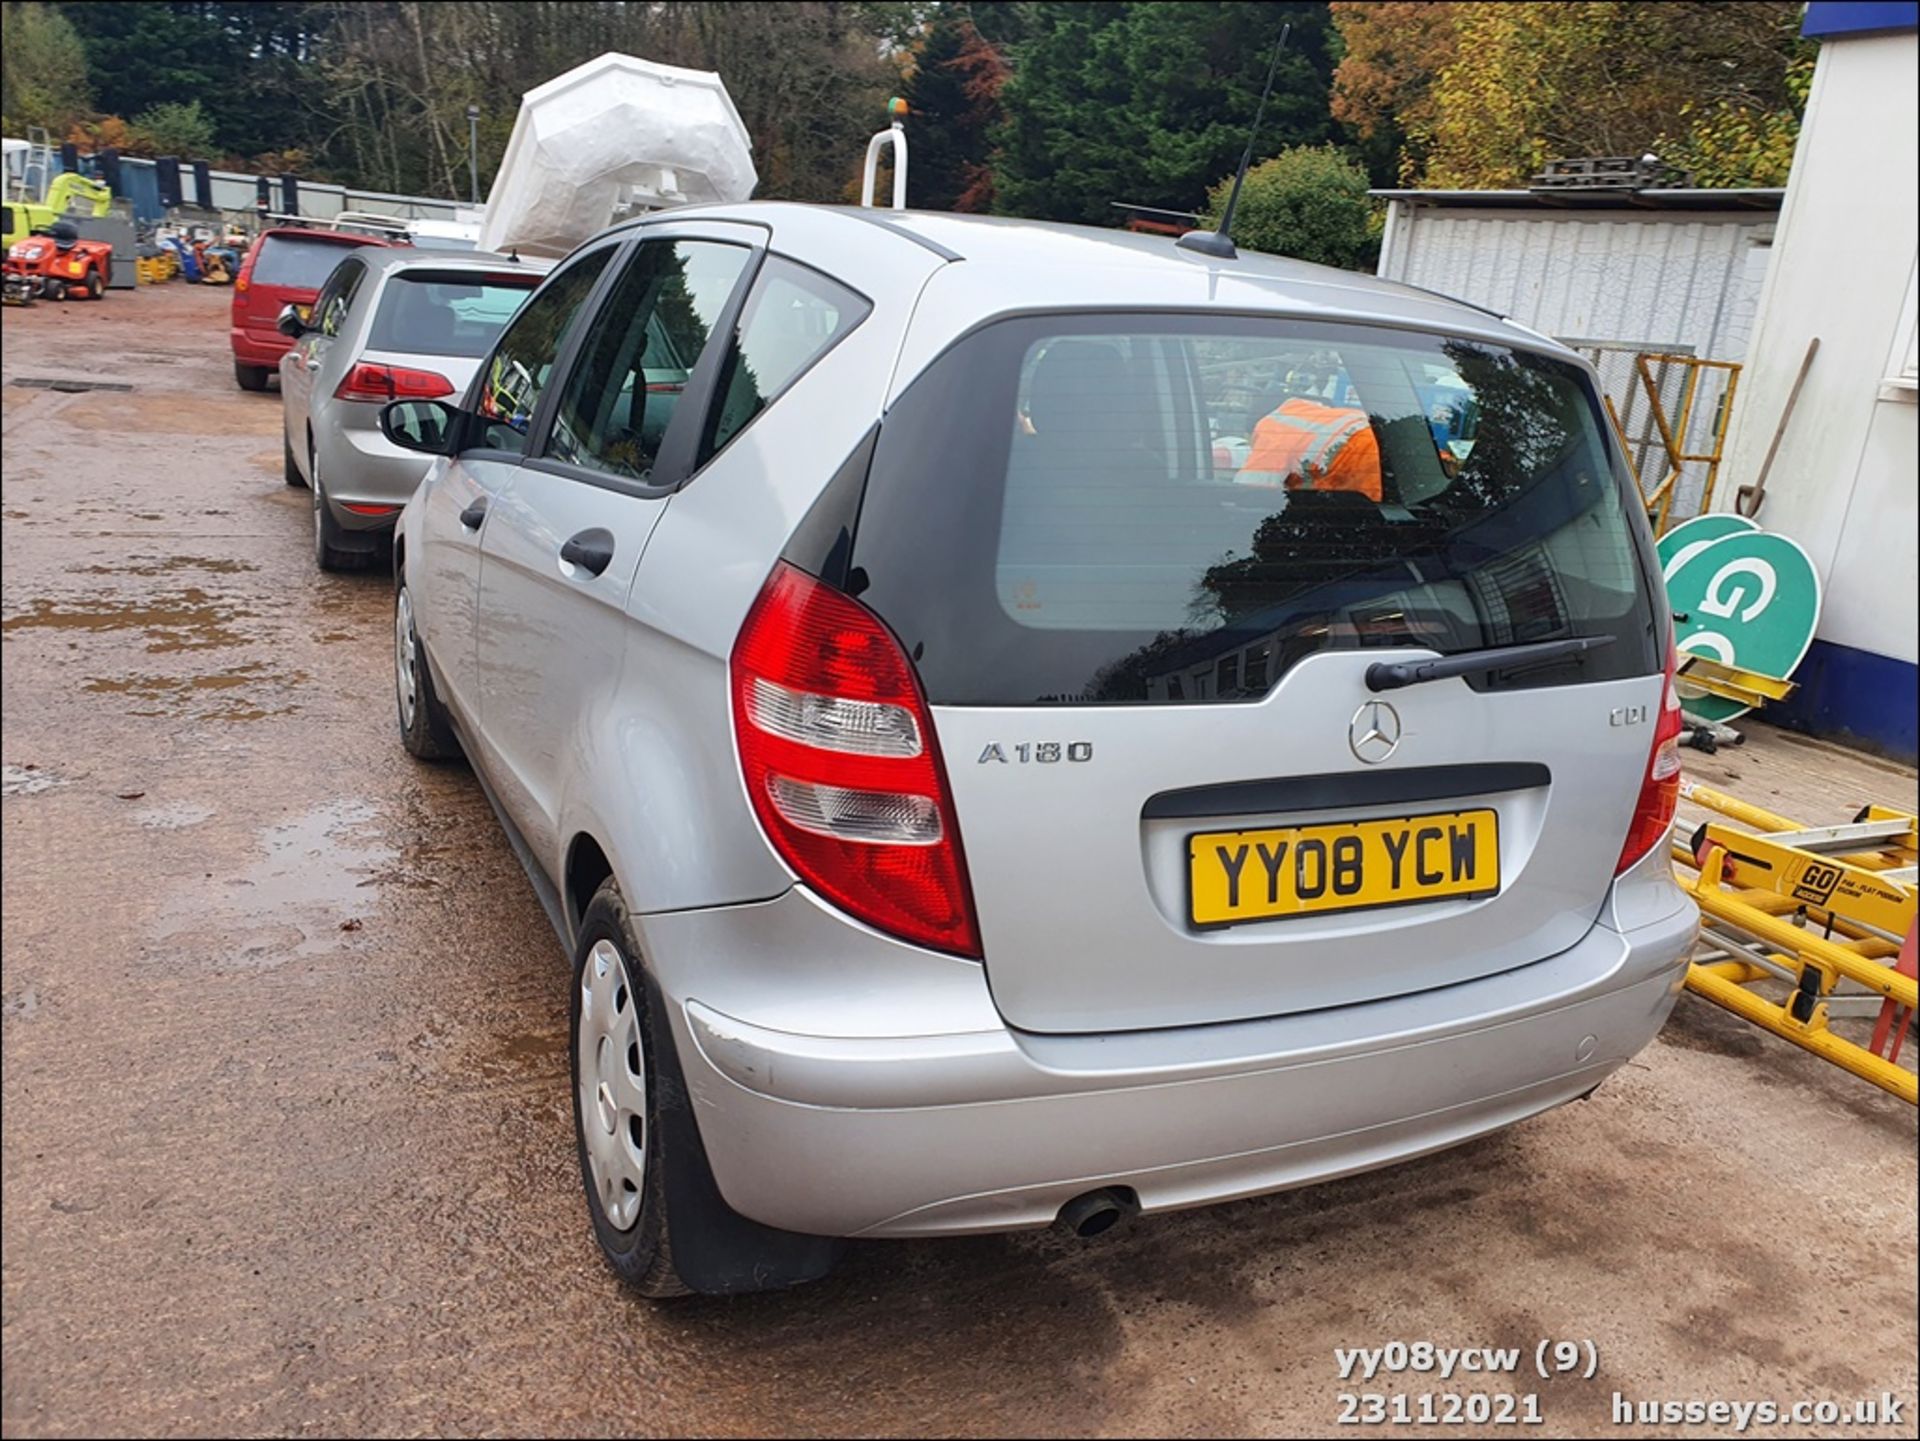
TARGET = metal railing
(1671,411)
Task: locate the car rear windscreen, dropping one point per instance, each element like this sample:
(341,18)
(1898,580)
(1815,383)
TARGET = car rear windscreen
(1128,509)
(425,312)
(298,263)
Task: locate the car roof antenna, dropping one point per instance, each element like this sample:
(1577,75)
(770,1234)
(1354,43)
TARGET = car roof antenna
(1219,243)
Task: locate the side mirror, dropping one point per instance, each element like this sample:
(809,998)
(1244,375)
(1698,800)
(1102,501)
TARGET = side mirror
(290,323)
(428,426)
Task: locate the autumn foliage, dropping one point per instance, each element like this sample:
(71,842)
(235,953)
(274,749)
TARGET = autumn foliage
(1482,95)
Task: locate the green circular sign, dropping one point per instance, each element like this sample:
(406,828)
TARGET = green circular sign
(1686,539)
(1749,599)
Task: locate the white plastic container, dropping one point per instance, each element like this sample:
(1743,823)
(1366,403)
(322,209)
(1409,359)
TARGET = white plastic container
(612,138)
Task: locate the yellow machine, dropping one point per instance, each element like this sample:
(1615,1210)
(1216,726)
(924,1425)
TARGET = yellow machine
(1813,907)
(69,194)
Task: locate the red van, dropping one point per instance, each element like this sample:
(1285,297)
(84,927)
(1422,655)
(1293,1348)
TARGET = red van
(286,266)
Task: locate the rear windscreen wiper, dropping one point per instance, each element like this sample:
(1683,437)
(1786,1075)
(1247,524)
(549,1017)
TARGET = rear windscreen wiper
(1392,675)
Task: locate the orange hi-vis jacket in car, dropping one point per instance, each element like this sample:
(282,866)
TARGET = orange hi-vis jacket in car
(1309,445)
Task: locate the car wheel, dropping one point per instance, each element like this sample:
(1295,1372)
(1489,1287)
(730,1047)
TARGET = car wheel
(425,729)
(96,287)
(616,1101)
(289,466)
(250,377)
(328,553)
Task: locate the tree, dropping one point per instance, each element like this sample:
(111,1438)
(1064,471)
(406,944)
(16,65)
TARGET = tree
(44,80)
(1147,103)
(247,65)
(1532,81)
(1392,52)
(1735,143)
(953,97)
(1309,202)
(984,72)
(1483,95)
(175,129)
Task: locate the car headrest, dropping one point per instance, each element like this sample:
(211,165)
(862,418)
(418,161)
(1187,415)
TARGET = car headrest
(1079,387)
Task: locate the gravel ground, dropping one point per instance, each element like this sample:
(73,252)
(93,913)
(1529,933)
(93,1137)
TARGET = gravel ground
(287,1144)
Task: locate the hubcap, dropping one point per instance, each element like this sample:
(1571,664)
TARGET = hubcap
(405,676)
(610,1076)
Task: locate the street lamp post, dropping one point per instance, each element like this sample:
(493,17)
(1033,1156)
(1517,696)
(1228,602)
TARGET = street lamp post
(473,150)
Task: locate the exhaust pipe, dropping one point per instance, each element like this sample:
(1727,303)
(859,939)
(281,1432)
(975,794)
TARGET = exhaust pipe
(1096,1211)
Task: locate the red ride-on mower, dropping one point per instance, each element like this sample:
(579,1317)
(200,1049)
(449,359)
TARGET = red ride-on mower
(55,263)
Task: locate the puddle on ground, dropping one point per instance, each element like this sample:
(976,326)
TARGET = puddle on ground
(304,896)
(206,696)
(148,565)
(174,816)
(525,1055)
(190,619)
(28,780)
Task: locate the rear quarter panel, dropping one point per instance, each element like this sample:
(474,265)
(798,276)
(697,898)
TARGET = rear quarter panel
(657,784)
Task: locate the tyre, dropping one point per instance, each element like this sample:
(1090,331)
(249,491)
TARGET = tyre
(96,286)
(289,466)
(616,1100)
(52,290)
(250,377)
(328,553)
(424,728)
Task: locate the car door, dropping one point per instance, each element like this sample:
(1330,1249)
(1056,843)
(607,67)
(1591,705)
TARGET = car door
(565,537)
(456,495)
(299,365)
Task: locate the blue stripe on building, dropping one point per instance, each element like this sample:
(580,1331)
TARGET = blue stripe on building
(1827,19)
(1856,696)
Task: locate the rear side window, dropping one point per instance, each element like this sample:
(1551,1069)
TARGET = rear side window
(793,317)
(426,312)
(299,264)
(635,361)
(517,371)
(336,296)
(1115,510)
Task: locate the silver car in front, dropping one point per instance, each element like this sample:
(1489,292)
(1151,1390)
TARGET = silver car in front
(388,324)
(1020,724)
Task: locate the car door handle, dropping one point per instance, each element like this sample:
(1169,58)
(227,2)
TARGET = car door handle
(474,514)
(591,550)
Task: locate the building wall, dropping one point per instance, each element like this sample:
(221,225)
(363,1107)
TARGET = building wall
(1645,278)
(236,190)
(1843,481)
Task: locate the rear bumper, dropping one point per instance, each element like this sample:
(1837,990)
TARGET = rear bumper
(254,347)
(924,1129)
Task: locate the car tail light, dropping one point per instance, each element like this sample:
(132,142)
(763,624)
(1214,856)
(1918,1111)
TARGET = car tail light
(368,381)
(1660,785)
(838,751)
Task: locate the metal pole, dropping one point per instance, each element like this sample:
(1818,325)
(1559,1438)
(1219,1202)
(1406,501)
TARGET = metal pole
(473,150)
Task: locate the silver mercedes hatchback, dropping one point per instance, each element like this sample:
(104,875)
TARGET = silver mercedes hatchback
(1020,724)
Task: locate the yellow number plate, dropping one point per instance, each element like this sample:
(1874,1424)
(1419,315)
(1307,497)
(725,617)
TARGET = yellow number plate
(1239,876)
